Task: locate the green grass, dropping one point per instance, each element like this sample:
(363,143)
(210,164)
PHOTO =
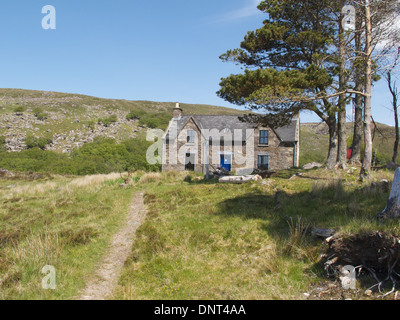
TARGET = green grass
(313,147)
(58,221)
(59,111)
(77,104)
(200,240)
(204,240)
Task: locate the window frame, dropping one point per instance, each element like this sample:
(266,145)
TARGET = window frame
(260,164)
(263,137)
(189,136)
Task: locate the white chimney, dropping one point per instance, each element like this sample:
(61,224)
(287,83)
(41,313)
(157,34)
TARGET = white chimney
(177,111)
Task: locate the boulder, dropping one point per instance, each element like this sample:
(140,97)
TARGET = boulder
(323,233)
(239,179)
(312,165)
(221,172)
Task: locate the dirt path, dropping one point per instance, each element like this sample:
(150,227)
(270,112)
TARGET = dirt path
(105,280)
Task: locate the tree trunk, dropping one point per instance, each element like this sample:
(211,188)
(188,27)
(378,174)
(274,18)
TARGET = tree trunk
(358,101)
(367,162)
(396,143)
(394,93)
(342,141)
(392,209)
(332,153)
(358,130)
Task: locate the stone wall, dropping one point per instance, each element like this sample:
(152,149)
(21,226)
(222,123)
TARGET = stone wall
(245,156)
(180,148)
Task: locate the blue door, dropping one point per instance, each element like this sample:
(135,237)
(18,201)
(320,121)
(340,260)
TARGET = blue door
(226,162)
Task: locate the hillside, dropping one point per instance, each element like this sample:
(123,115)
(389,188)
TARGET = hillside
(66,122)
(314,139)
(70,120)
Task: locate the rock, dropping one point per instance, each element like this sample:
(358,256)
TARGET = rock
(240,179)
(329,240)
(382,184)
(299,174)
(351,170)
(5,173)
(263,173)
(312,165)
(221,172)
(324,233)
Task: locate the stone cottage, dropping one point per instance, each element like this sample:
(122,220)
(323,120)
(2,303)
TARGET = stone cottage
(202,143)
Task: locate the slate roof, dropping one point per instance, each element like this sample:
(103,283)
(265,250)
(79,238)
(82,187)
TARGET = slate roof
(288,133)
(221,122)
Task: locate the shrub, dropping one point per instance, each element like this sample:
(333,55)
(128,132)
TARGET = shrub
(33,142)
(102,156)
(137,149)
(2,143)
(135,115)
(91,125)
(39,114)
(19,110)
(158,120)
(35,160)
(107,121)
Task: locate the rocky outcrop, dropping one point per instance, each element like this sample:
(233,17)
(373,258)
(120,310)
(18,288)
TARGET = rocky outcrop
(6,174)
(67,130)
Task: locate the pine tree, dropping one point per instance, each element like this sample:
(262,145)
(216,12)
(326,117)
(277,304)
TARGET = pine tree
(295,65)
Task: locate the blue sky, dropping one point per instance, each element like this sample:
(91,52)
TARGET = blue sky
(127,49)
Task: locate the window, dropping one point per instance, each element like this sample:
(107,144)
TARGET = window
(263,162)
(264,137)
(191,136)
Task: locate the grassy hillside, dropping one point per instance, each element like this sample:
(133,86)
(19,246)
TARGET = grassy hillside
(78,103)
(80,134)
(64,122)
(68,121)
(314,142)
